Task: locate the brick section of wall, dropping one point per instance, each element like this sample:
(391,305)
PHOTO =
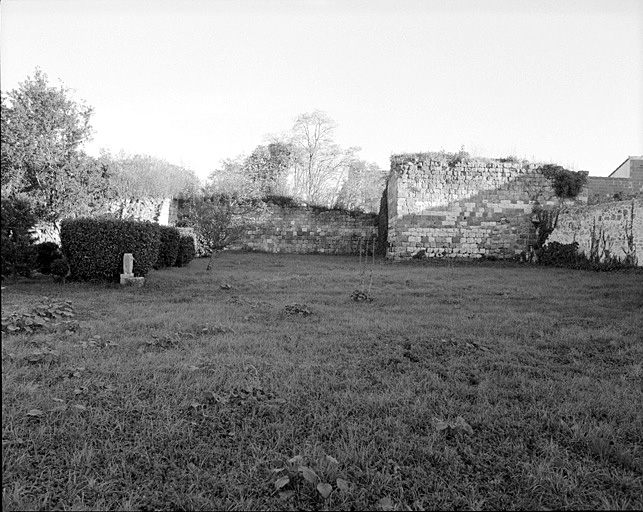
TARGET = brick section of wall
(636,169)
(611,223)
(308,230)
(471,209)
(602,190)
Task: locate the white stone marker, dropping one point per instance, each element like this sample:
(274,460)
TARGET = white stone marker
(128,264)
(127,277)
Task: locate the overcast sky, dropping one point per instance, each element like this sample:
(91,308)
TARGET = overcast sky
(198,81)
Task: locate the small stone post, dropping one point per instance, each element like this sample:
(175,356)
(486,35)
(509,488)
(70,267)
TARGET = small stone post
(127,277)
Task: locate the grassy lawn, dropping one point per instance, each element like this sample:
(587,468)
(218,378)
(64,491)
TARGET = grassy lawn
(458,387)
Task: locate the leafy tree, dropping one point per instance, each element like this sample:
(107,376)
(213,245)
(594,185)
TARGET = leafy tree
(43,130)
(231,178)
(18,250)
(219,220)
(321,164)
(267,166)
(362,189)
(143,176)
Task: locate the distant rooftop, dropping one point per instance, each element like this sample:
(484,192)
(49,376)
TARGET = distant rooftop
(623,170)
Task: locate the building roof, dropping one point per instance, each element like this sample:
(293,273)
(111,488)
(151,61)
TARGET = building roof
(624,162)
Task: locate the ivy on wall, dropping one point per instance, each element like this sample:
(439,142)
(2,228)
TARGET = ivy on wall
(567,184)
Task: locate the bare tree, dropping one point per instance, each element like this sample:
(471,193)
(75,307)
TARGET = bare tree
(321,165)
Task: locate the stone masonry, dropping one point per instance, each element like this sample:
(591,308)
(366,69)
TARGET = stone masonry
(614,228)
(463,209)
(626,181)
(309,230)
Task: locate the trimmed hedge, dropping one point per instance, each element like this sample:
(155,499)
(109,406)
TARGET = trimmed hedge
(169,248)
(186,251)
(94,248)
(187,247)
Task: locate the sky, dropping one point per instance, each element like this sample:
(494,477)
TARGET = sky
(198,81)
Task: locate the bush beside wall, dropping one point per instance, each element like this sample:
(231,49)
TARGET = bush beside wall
(94,248)
(169,246)
(603,231)
(187,251)
(48,252)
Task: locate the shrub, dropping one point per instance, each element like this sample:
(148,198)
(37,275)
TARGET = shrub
(47,253)
(567,255)
(18,250)
(283,201)
(94,248)
(60,269)
(567,184)
(169,248)
(557,254)
(187,251)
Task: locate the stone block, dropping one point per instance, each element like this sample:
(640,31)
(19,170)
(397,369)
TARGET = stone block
(130,280)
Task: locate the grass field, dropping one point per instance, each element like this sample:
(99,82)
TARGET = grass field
(484,386)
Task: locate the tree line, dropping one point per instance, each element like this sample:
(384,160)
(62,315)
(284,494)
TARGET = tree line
(44,165)
(47,176)
(43,162)
(306,164)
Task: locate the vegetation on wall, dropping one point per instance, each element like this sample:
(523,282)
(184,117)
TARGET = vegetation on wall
(601,255)
(600,259)
(545,221)
(567,184)
(382,226)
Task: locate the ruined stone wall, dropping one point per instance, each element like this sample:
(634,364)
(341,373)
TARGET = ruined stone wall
(309,230)
(614,228)
(464,209)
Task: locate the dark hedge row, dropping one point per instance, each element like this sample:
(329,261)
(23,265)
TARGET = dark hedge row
(169,248)
(187,247)
(16,227)
(47,253)
(94,248)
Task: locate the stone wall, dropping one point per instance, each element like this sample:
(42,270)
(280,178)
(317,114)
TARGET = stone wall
(602,189)
(625,182)
(614,228)
(463,209)
(309,230)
